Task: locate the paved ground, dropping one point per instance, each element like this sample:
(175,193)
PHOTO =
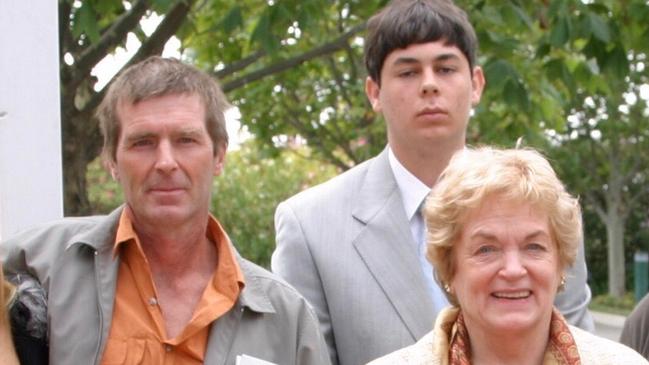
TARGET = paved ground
(608,325)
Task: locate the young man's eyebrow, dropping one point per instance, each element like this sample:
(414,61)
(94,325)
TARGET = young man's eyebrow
(405,60)
(447,57)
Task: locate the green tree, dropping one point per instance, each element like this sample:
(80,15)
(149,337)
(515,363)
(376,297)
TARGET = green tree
(242,43)
(246,195)
(294,68)
(601,151)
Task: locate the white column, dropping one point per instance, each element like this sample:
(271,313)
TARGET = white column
(30,124)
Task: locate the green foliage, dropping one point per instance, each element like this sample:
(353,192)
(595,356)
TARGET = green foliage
(246,195)
(295,70)
(104,193)
(609,304)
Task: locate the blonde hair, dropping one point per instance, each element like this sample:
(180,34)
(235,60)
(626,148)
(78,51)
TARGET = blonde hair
(7,292)
(513,174)
(7,351)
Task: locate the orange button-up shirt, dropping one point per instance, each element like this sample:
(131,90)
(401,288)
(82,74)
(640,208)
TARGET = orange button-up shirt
(137,332)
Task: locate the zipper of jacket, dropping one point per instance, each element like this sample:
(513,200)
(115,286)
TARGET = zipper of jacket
(101,312)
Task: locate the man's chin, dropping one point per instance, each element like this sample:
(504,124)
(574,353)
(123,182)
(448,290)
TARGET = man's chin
(163,214)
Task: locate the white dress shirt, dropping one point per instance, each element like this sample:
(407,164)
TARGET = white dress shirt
(413,193)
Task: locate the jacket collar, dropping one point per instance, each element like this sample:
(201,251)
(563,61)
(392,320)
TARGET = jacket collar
(387,247)
(101,237)
(253,296)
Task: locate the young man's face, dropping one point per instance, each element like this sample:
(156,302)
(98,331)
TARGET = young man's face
(426,94)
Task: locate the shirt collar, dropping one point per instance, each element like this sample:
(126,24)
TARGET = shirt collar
(126,233)
(413,191)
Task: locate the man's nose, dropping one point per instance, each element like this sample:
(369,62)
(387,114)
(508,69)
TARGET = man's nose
(429,82)
(166,157)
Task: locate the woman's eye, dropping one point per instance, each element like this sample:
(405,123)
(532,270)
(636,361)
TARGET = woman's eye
(535,247)
(485,249)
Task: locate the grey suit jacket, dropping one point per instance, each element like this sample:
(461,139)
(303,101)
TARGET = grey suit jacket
(347,247)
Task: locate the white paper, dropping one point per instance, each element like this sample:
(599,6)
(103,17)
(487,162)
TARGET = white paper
(250,360)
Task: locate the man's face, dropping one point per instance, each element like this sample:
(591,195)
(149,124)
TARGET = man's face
(426,94)
(165,159)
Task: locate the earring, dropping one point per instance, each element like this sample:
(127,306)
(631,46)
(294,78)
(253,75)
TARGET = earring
(562,284)
(447,288)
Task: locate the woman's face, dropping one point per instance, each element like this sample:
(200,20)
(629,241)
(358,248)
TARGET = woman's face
(507,267)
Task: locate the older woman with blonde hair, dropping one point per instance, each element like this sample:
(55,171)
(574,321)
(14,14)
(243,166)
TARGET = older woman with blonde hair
(502,230)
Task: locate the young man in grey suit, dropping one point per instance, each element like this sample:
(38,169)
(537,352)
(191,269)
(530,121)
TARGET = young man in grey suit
(353,246)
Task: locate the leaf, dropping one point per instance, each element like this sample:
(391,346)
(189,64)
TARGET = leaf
(85,22)
(232,20)
(263,34)
(558,71)
(522,15)
(516,92)
(162,6)
(560,32)
(617,63)
(599,28)
(498,72)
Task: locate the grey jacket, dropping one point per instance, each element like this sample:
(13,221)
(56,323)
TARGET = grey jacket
(74,263)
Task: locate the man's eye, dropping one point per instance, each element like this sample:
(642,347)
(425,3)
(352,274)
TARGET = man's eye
(186,140)
(445,70)
(407,73)
(142,143)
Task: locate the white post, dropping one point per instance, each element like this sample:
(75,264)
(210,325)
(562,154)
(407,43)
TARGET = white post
(31,182)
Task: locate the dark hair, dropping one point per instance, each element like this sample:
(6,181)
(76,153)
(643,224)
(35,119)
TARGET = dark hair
(406,22)
(157,76)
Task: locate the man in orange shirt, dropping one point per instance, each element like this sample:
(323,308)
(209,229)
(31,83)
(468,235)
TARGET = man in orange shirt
(158,281)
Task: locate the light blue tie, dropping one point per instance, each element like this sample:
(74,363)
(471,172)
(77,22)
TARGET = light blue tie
(436,293)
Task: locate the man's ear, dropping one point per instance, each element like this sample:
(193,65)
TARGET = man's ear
(478,82)
(111,166)
(373,91)
(219,159)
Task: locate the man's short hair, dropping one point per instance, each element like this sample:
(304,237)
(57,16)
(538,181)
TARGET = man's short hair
(406,22)
(155,77)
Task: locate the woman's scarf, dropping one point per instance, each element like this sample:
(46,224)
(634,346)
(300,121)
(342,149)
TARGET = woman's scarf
(561,348)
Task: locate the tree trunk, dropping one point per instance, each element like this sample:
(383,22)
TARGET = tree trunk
(81,145)
(615,241)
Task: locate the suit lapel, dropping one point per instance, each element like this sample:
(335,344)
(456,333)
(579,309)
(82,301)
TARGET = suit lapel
(387,248)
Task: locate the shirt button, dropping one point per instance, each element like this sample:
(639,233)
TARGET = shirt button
(153,301)
(168,348)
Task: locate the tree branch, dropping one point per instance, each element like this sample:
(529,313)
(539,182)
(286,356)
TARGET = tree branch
(65,34)
(113,36)
(152,45)
(172,21)
(333,46)
(239,65)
